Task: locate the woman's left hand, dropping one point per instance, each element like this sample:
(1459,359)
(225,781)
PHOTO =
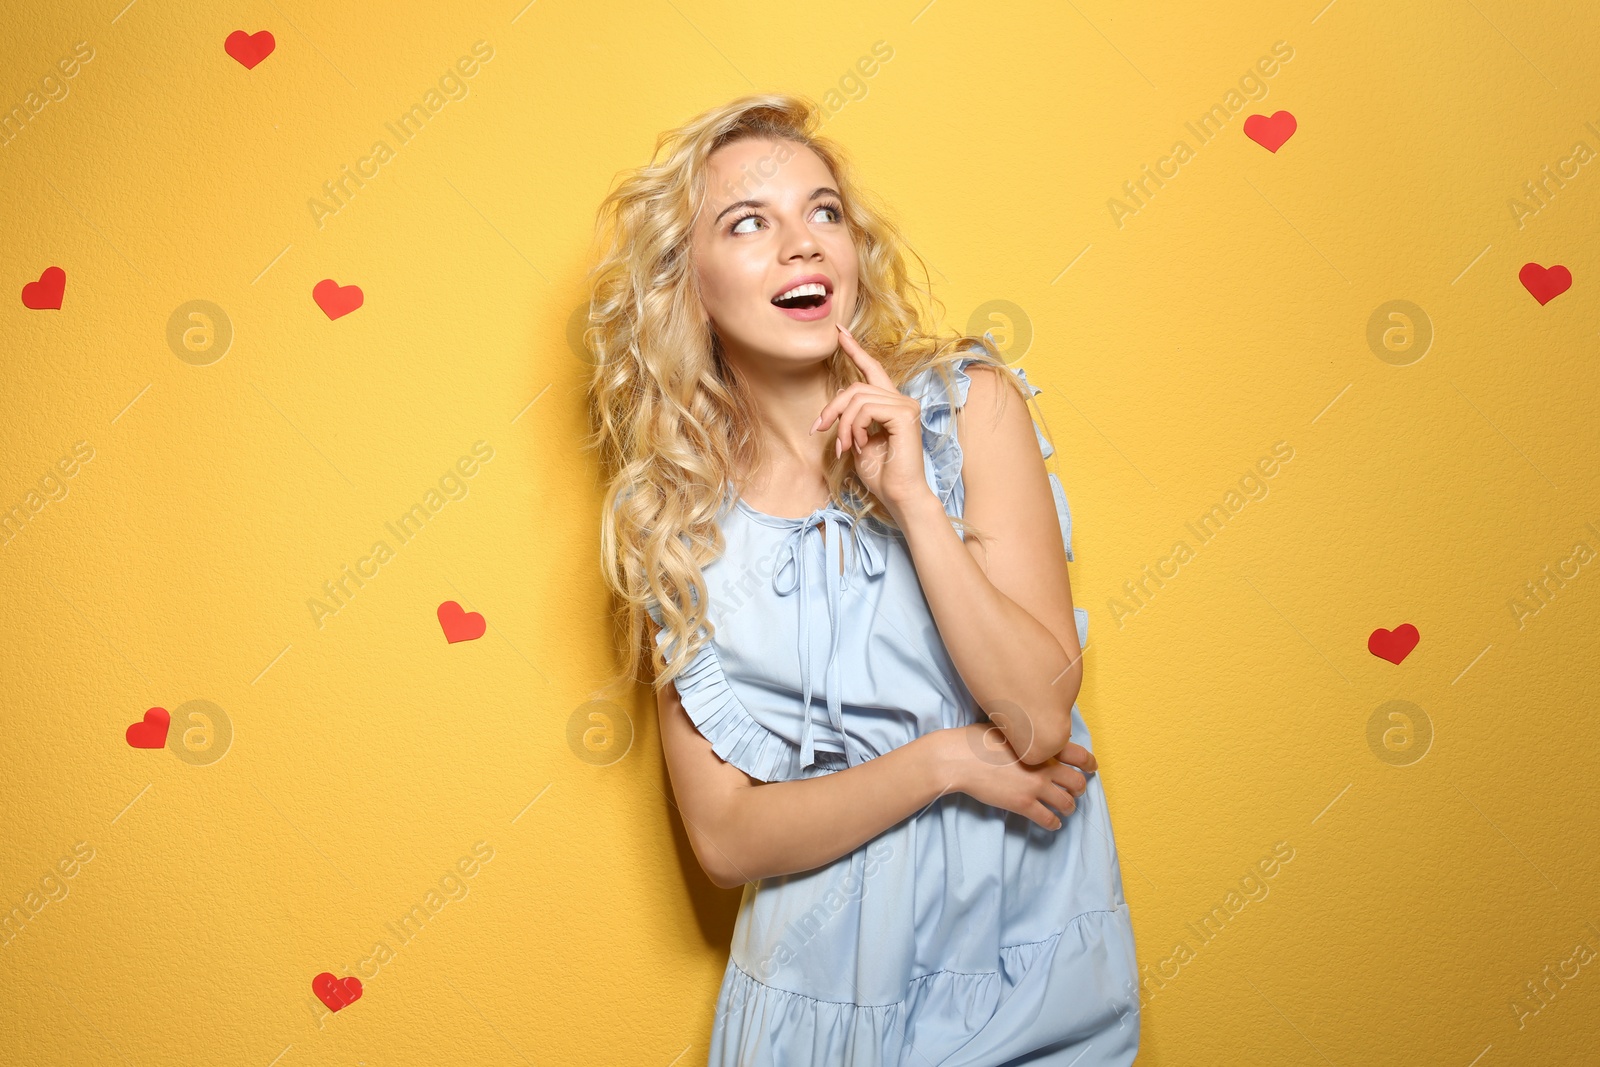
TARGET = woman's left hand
(889,462)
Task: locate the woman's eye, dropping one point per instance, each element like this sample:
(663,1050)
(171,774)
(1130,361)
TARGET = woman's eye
(752,223)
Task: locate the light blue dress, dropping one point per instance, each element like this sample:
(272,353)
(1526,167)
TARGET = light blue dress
(964,936)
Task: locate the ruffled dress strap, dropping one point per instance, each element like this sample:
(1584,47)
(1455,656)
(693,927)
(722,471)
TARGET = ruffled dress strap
(942,449)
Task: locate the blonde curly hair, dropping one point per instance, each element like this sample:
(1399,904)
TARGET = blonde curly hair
(671,419)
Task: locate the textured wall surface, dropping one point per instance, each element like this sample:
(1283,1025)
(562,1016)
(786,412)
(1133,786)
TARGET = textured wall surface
(1304,386)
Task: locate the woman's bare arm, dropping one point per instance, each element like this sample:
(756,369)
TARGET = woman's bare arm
(743,830)
(1003,603)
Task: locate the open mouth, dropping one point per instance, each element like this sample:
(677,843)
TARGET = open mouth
(807,296)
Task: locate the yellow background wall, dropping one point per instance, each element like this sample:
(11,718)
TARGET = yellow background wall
(1441,861)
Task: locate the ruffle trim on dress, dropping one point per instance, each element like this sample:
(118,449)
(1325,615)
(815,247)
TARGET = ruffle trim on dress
(942,447)
(755,1020)
(734,733)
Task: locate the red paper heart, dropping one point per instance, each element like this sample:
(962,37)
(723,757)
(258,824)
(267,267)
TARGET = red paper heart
(1270,133)
(337,300)
(460,625)
(45,294)
(336,992)
(151,732)
(249,48)
(1393,645)
(1545,283)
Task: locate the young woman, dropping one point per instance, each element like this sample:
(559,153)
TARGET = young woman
(841,528)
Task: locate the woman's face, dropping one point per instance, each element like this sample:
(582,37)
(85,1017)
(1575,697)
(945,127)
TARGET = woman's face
(772,227)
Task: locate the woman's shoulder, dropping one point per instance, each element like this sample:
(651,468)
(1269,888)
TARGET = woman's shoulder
(942,384)
(941,387)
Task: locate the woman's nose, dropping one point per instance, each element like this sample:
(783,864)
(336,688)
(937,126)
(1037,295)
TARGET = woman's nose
(800,243)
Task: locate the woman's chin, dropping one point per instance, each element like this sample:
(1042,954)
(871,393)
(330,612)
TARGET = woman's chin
(797,349)
(810,350)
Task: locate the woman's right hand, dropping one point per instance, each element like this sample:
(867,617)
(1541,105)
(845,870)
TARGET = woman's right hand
(979,761)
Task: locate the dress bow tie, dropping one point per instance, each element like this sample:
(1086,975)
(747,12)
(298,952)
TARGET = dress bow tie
(793,559)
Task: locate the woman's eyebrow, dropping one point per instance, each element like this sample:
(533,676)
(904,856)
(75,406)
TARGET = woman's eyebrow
(823,190)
